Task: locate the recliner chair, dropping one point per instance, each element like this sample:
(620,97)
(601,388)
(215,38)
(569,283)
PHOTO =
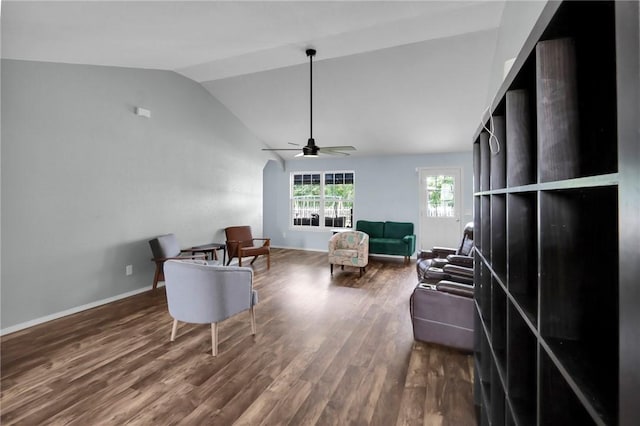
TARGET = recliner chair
(444,263)
(443,313)
(442,309)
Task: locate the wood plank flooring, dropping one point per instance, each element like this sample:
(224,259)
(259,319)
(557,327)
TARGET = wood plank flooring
(328,351)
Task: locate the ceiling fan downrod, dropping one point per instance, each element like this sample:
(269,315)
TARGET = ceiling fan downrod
(310,54)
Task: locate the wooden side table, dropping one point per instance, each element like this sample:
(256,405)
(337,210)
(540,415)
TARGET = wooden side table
(210,250)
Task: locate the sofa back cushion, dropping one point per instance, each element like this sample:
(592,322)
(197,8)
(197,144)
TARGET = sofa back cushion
(373,229)
(397,229)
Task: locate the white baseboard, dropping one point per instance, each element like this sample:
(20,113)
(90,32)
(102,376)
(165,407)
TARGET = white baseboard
(74,310)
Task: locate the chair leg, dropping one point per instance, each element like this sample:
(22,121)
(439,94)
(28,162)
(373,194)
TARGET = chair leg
(156,276)
(214,338)
(174,329)
(253,321)
(331,265)
(239,260)
(254,259)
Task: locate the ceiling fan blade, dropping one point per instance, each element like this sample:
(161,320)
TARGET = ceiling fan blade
(281,149)
(332,152)
(339,148)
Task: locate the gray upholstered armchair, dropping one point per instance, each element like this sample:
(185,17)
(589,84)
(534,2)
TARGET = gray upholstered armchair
(207,294)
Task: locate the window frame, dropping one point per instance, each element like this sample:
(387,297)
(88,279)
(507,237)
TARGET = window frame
(322,201)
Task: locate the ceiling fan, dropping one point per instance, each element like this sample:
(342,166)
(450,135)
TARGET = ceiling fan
(311,150)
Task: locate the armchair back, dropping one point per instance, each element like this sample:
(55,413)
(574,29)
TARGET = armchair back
(165,246)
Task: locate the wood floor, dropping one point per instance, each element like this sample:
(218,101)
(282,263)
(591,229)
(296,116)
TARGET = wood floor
(328,351)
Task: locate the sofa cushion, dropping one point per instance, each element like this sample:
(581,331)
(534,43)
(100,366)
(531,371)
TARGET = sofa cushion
(397,229)
(388,246)
(373,229)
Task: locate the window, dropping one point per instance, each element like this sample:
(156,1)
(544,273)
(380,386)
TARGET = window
(440,201)
(322,199)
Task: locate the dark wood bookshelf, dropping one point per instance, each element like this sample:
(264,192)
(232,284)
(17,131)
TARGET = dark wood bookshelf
(556,202)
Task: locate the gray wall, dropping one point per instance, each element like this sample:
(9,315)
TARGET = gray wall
(86,183)
(518,19)
(387,188)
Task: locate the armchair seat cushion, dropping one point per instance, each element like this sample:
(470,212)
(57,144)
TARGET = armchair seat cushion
(458,271)
(254,251)
(346,253)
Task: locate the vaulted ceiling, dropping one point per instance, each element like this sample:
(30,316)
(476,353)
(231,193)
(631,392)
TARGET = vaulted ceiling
(390,77)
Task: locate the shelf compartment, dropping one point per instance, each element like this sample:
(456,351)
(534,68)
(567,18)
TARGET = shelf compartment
(477,222)
(521,368)
(509,421)
(477,279)
(558,403)
(485,162)
(497,398)
(578,283)
(557,110)
(521,153)
(498,147)
(477,358)
(476,167)
(572,87)
(499,325)
(485,229)
(485,295)
(522,257)
(499,236)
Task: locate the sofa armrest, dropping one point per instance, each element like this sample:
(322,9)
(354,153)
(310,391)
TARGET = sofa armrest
(425,254)
(458,289)
(443,252)
(410,241)
(456,259)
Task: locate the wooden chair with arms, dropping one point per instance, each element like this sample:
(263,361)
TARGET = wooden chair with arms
(240,243)
(166,247)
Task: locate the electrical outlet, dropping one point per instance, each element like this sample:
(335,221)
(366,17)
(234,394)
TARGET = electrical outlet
(128,270)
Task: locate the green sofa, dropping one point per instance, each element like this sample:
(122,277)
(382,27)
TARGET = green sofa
(394,238)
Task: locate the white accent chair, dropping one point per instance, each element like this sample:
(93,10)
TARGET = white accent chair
(207,294)
(350,248)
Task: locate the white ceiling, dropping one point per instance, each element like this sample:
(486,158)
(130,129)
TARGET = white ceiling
(390,77)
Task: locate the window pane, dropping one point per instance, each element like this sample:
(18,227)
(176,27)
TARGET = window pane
(338,214)
(440,202)
(306,185)
(306,212)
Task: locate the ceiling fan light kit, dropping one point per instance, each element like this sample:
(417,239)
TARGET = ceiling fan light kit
(311,150)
